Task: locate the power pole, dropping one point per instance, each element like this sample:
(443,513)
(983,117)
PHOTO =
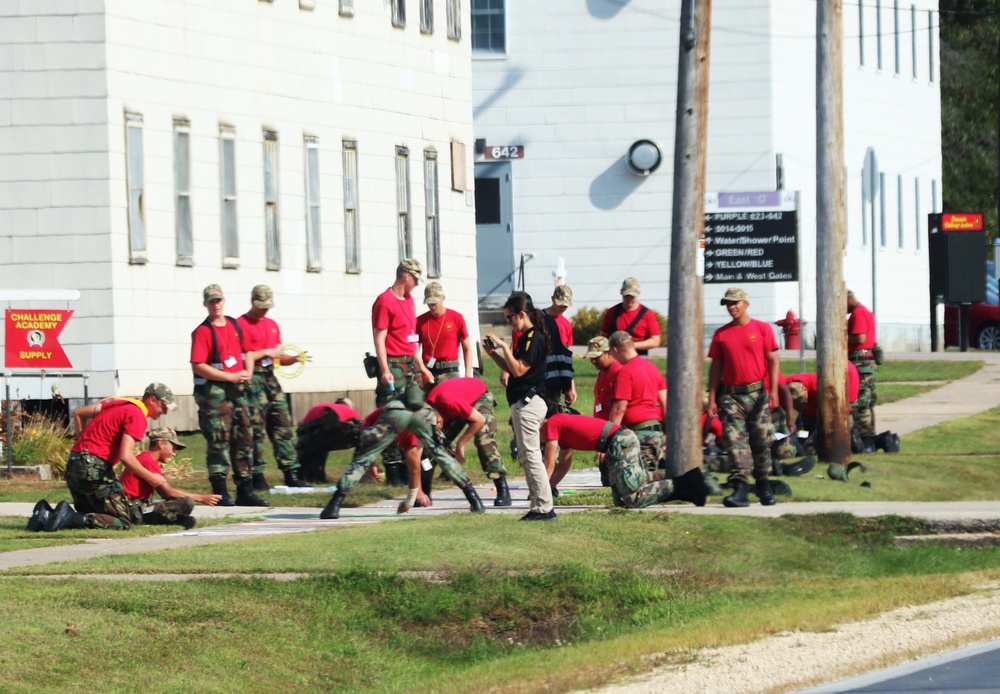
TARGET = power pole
(684,333)
(834,442)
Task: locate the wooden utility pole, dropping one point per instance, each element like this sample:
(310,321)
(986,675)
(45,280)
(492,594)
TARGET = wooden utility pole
(833,440)
(684,333)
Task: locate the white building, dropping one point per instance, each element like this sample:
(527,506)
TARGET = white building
(573,85)
(148,149)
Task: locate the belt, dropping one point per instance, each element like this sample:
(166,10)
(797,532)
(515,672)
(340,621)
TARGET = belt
(744,389)
(861,354)
(399,360)
(445,367)
(648,425)
(605,438)
(258,369)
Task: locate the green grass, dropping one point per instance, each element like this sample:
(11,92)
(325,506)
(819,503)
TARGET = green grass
(901,371)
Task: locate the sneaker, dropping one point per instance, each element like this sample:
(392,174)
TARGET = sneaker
(539,516)
(187,522)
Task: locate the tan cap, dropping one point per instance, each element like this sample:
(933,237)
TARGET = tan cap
(433,293)
(166,434)
(598,346)
(347,402)
(262,296)
(412,266)
(212,291)
(734,294)
(800,396)
(618,338)
(630,287)
(162,393)
(562,296)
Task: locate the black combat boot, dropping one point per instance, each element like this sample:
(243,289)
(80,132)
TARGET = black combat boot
(868,444)
(292,478)
(65,518)
(857,445)
(395,475)
(503,492)
(260,482)
(245,495)
(764,493)
(888,442)
(219,487)
(475,503)
(332,510)
(738,499)
(689,487)
(39,516)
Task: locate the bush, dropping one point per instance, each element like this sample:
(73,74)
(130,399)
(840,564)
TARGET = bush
(587,324)
(39,440)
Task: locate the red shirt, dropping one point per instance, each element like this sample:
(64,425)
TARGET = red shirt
(604,396)
(399,318)
(136,488)
(441,336)
(405,439)
(645,328)
(742,350)
(576,431)
(861,321)
(853,382)
(714,427)
(639,382)
(260,334)
(102,436)
(453,398)
(344,412)
(565,329)
(230,349)
(810,381)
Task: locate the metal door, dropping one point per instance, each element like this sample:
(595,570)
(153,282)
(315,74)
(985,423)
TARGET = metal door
(494,229)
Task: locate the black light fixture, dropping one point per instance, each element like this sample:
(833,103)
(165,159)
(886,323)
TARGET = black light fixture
(643,157)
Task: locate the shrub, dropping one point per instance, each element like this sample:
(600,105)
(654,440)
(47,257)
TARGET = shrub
(40,440)
(587,324)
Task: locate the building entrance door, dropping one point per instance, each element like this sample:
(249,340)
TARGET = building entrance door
(494,230)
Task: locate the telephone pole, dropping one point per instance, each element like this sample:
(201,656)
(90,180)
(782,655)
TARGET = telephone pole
(833,440)
(684,334)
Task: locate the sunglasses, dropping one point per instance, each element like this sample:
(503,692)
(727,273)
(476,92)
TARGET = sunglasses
(510,318)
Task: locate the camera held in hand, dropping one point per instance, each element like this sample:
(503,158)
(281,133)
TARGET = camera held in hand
(489,344)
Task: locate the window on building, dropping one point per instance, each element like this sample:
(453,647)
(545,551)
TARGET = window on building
(934,195)
(272,240)
(861,33)
(314,262)
(427,16)
(916,211)
(864,212)
(307,4)
(134,175)
(895,32)
(182,193)
(433,219)
(883,211)
(454,10)
(346,8)
(404,233)
(230,235)
(352,229)
(488,26)
(399,13)
(899,211)
(913,37)
(878,32)
(930,44)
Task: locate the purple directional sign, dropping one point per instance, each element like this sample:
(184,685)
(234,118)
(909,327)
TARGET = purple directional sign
(751,237)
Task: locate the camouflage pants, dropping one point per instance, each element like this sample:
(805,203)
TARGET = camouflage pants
(785,448)
(317,437)
(269,415)
(485,438)
(404,374)
(441,377)
(394,420)
(168,511)
(224,419)
(98,493)
(652,447)
(629,475)
(864,408)
(746,433)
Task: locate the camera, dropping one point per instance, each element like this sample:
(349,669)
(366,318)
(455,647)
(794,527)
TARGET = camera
(489,344)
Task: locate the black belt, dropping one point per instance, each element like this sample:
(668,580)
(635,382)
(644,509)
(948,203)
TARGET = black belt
(605,439)
(446,370)
(399,360)
(650,427)
(744,389)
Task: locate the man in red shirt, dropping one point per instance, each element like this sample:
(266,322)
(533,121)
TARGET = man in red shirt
(328,426)
(633,318)
(268,406)
(222,373)
(108,432)
(599,354)
(636,486)
(743,353)
(640,398)
(442,332)
(860,343)
(177,505)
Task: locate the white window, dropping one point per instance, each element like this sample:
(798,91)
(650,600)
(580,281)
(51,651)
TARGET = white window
(454,10)
(272,239)
(878,32)
(489,31)
(352,230)
(182,193)
(426,16)
(899,211)
(314,261)
(913,37)
(930,44)
(307,4)
(883,211)
(405,237)
(227,167)
(934,195)
(864,212)
(916,210)
(399,13)
(346,8)
(134,175)
(861,33)
(895,31)
(433,218)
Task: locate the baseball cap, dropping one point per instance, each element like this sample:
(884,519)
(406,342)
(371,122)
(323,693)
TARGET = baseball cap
(630,287)
(262,296)
(212,291)
(162,393)
(619,337)
(166,434)
(597,346)
(412,266)
(346,402)
(433,293)
(734,294)
(800,396)
(562,296)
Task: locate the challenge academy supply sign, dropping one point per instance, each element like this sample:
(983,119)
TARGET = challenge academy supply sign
(32,339)
(751,237)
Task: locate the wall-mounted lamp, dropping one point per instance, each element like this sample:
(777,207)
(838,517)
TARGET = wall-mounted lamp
(643,157)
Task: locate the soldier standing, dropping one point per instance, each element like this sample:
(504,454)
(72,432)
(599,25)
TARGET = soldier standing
(634,318)
(442,332)
(860,343)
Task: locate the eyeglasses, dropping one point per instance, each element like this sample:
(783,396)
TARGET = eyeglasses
(510,318)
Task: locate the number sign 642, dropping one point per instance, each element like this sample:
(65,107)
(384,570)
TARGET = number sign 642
(505,152)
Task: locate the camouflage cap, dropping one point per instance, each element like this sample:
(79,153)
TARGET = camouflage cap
(734,294)
(166,434)
(618,338)
(597,346)
(412,266)
(262,296)
(212,291)
(433,293)
(800,395)
(562,296)
(162,393)
(630,287)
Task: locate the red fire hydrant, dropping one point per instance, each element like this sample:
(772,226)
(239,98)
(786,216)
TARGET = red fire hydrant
(790,326)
